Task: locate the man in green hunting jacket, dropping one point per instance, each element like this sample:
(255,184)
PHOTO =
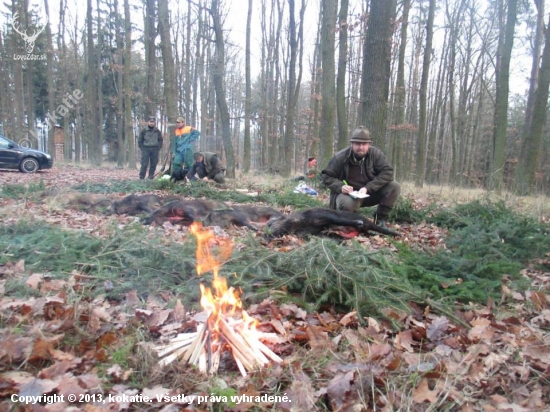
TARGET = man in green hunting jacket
(364,169)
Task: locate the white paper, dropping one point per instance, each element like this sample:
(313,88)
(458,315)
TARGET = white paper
(358,195)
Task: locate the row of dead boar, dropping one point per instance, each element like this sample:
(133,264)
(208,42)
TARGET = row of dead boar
(155,209)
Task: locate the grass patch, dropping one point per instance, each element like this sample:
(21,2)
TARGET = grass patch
(22,191)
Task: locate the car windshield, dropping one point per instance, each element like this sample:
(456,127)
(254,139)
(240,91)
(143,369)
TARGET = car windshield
(4,142)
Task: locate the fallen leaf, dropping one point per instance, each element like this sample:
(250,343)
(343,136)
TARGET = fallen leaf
(338,389)
(422,393)
(437,328)
(404,341)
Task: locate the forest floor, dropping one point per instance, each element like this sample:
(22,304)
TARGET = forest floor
(60,351)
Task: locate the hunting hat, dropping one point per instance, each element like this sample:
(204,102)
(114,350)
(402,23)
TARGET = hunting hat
(361,135)
(180,119)
(152,119)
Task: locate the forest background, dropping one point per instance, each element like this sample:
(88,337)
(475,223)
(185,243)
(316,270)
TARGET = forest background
(271,82)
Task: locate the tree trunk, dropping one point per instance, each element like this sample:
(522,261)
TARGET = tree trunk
(341,76)
(376,69)
(170,89)
(328,88)
(248,93)
(422,138)
(99,83)
(121,143)
(150,60)
(128,123)
(218,72)
(94,152)
(501,100)
(395,154)
(527,168)
(49,76)
(291,98)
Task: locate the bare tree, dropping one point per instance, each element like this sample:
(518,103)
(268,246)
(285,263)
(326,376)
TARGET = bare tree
(422,138)
(376,68)
(129,131)
(218,72)
(527,168)
(328,89)
(291,95)
(248,93)
(170,90)
(149,38)
(49,75)
(397,136)
(506,40)
(341,75)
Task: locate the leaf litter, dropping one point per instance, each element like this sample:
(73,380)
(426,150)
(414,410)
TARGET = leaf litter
(52,343)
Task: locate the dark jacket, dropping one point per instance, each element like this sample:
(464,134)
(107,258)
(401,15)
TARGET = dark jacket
(150,138)
(375,167)
(212,165)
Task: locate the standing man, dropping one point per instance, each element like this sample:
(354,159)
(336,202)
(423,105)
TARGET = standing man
(207,166)
(362,168)
(182,148)
(150,143)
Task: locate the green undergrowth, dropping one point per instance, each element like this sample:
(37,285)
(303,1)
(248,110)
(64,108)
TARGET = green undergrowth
(128,260)
(21,191)
(486,241)
(321,272)
(324,273)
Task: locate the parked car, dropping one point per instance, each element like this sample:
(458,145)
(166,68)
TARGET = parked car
(14,156)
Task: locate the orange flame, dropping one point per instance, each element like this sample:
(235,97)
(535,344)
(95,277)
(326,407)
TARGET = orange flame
(220,298)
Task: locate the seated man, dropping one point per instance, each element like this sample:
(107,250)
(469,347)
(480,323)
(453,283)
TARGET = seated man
(207,166)
(361,168)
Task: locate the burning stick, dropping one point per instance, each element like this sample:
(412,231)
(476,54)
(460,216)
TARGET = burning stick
(221,329)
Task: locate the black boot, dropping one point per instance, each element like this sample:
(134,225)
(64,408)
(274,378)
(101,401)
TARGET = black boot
(381,216)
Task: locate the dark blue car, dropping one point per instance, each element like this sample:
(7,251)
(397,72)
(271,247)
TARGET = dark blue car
(14,156)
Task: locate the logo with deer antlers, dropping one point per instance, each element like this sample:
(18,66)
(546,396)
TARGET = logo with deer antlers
(29,40)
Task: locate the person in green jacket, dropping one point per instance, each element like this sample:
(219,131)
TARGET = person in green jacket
(182,148)
(361,168)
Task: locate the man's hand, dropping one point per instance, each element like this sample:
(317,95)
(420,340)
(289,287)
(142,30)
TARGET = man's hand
(347,189)
(363,190)
(205,179)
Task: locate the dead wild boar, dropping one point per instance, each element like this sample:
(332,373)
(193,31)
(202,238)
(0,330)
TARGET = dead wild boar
(247,215)
(136,204)
(316,220)
(183,212)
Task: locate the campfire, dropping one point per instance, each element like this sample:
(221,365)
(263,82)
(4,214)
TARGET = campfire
(227,326)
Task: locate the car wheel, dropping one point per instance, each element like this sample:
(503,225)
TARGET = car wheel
(29,165)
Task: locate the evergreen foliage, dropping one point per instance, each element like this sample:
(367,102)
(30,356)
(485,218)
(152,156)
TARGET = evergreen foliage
(486,241)
(320,272)
(323,271)
(20,191)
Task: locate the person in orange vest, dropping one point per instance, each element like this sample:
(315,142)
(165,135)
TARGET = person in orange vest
(182,149)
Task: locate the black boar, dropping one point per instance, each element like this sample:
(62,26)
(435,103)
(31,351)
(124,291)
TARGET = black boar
(316,220)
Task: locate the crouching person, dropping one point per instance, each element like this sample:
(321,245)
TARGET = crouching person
(362,168)
(207,166)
